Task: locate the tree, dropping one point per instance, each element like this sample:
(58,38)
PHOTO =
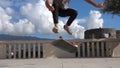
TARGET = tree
(112,7)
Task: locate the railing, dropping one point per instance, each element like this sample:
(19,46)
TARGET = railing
(98,48)
(35,49)
(94,49)
(21,49)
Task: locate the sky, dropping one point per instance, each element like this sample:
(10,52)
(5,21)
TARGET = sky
(32,18)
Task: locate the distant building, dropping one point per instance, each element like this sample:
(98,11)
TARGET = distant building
(101,33)
(118,34)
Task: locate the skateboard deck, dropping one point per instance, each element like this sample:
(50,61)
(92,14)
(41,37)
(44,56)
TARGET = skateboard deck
(62,44)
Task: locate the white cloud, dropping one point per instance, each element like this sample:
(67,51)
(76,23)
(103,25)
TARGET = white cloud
(39,16)
(5,3)
(20,28)
(78,30)
(9,11)
(36,18)
(94,20)
(1,26)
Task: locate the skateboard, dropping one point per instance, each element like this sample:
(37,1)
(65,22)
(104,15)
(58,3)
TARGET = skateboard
(64,45)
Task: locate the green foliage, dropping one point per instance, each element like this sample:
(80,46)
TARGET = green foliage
(112,7)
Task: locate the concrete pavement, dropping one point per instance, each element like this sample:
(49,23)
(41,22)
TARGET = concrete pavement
(61,63)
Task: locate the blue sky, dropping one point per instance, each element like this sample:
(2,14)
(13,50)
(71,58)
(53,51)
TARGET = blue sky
(84,8)
(32,18)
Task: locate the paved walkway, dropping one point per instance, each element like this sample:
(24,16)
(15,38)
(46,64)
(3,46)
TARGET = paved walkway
(61,63)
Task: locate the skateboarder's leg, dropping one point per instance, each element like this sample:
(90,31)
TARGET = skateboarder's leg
(55,19)
(68,12)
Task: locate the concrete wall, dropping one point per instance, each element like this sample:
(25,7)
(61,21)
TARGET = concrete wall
(114,47)
(118,34)
(2,51)
(116,51)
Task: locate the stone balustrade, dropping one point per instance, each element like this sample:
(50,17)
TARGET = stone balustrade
(43,49)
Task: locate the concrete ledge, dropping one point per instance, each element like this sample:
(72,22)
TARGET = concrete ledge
(61,63)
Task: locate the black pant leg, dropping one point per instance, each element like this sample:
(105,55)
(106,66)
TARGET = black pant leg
(55,14)
(68,12)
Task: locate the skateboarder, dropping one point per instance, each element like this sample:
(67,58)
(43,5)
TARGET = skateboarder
(60,8)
